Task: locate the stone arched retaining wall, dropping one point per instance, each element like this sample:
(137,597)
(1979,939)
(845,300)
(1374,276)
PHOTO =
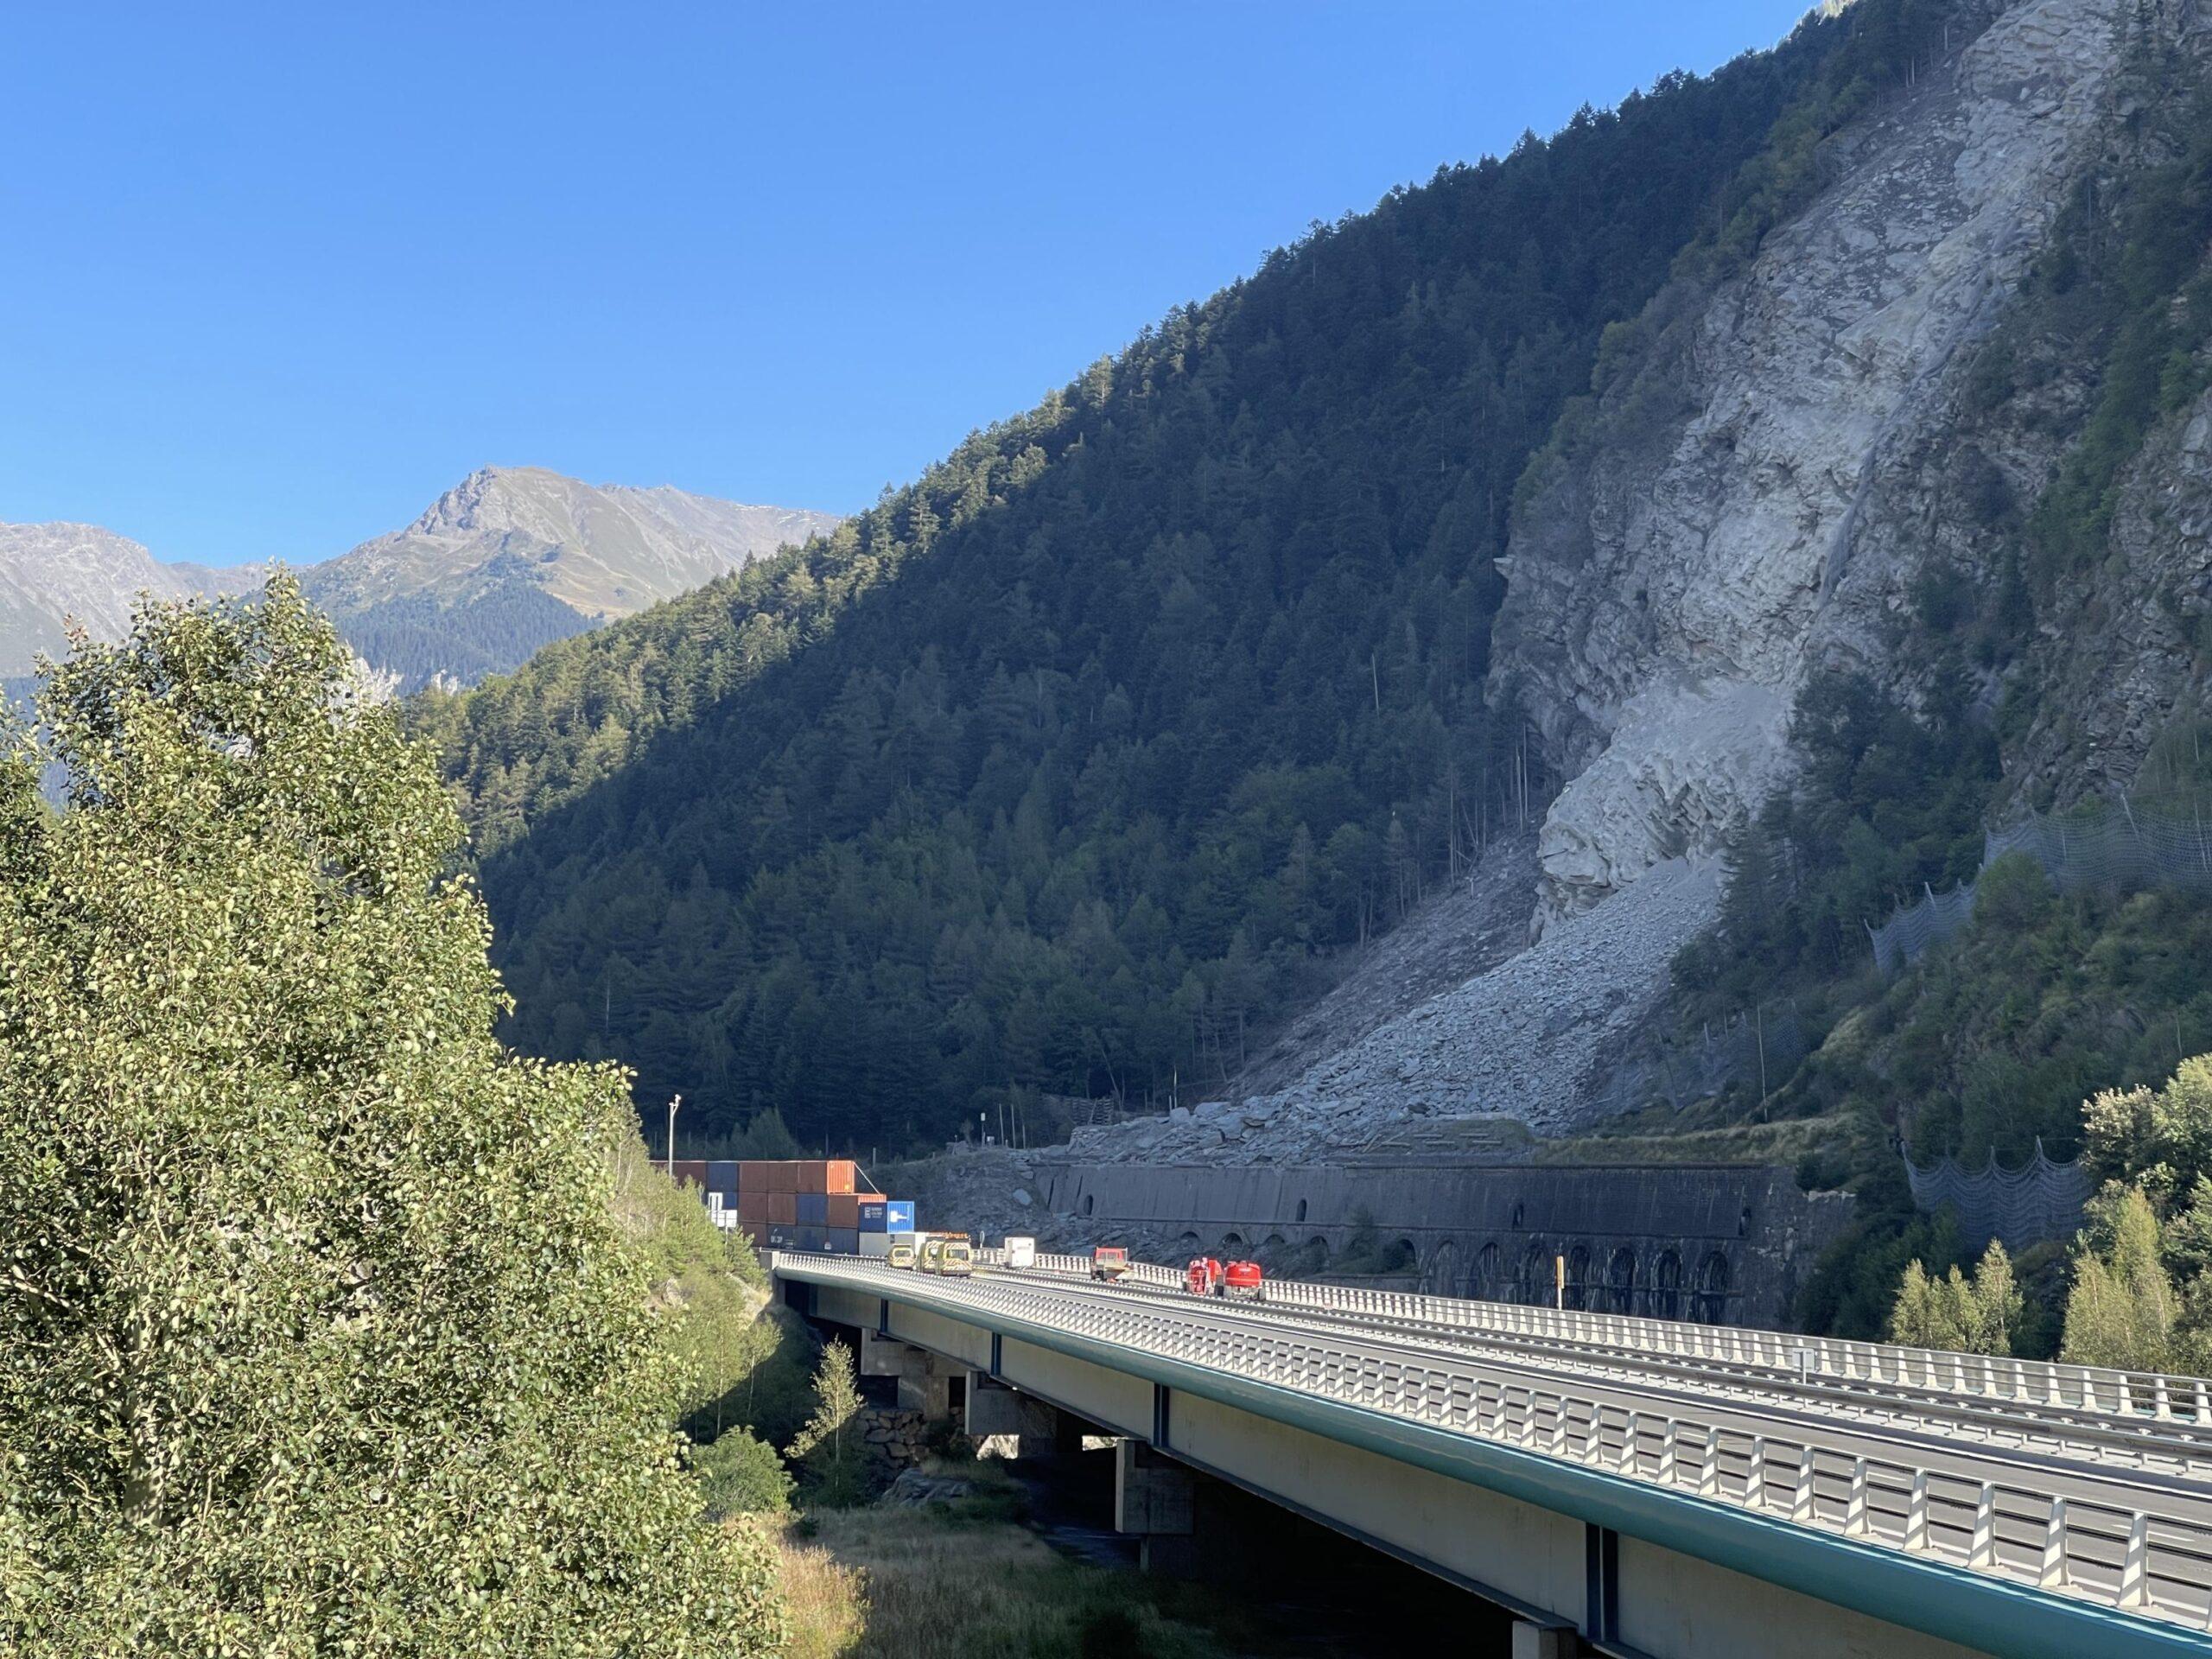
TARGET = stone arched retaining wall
(1720,1242)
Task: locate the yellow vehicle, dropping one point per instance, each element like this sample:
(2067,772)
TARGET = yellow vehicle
(950,1254)
(902,1253)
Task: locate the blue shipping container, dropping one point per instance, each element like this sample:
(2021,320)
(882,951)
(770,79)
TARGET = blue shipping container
(871,1216)
(898,1215)
(814,1208)
(812,1238)
(721,1175)
(843,1241)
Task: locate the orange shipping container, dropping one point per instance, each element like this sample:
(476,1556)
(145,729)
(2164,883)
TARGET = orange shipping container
(838,1176)
(783,1176)
(844,1210)
(783,1209)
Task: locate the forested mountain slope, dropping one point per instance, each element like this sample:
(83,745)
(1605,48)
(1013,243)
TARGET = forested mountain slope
(1055,770)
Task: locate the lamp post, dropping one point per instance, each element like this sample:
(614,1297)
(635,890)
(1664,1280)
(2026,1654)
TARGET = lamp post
(674,1101)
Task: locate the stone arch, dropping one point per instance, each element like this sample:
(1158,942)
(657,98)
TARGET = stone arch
(1272,1242)
(1532,1279)
(1489,1282)
(1316,1248)
(1711,1304)
(1440,1277)
(1400,1255)
(1576,1294)
(1620,1282)
(1664,1298)
(1187,1241)
(1232,1240)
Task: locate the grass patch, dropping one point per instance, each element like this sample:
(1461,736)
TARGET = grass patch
(963,1578)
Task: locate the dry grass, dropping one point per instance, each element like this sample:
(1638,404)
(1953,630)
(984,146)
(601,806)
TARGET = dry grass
(881,1583)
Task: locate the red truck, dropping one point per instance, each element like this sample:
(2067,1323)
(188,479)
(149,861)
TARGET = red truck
(1242,1281)
(1109,1262)
(1204,1278)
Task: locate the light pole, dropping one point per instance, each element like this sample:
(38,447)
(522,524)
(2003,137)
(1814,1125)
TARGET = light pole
(674,1101)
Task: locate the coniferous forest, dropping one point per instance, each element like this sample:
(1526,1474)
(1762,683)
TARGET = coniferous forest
(1054,770)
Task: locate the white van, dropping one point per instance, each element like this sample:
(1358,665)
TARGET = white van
(1020,1252)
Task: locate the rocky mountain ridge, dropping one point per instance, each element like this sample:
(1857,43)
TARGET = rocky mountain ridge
(510,559)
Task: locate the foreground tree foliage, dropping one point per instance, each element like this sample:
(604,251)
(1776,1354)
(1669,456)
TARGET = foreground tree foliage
(1967,1316)
(319,1331)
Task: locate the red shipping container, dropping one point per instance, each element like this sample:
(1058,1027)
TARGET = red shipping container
(755,1230)
(783,1209)
(752,1203)
(814,1176)
(844,1211)
(753,1173)
(783,1176)
(690,1171)
(839,1175)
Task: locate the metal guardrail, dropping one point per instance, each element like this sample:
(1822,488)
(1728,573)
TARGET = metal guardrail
(2138,1561)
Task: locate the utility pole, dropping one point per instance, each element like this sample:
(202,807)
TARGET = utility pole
(674,1101)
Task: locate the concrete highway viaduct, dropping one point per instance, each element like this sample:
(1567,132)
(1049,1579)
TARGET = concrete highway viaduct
(1625,1486)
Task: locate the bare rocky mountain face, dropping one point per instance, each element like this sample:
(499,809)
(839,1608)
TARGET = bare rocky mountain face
(1775,464)
(509,560)
(50,574)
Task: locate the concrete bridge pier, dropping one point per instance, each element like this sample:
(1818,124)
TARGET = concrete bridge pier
(1005,1422)
(1547,1640)
(1155,1500)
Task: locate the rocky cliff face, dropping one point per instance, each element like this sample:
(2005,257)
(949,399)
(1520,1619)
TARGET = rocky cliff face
(1751,502)
(1765,488)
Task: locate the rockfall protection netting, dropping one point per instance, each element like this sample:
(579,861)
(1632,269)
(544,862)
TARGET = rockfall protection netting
(1688,1070)
(2122,846)
(2041,1199)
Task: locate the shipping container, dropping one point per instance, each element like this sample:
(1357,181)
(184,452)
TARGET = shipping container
(752,1206)
(783,1176)
(783,1209)
(690,1171)
(840,1175)
(721,1175)
(812,1238)
(843,1241)
(813,1175)
(813,1209)
(752,1175)
(781,1238)
(845,1211)
(755,1230)
(871,1214)
(875,1243)
(899,1214)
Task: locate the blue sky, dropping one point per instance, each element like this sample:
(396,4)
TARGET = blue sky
(271,278)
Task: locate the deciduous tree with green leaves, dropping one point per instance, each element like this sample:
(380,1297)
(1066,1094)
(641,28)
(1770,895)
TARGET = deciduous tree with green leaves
(319,1332)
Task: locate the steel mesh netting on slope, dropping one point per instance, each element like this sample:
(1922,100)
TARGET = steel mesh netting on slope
(2124,845)
(1769,1039)
(2041,1199)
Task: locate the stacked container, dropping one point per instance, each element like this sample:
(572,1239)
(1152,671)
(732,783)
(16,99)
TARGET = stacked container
(811,1203)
